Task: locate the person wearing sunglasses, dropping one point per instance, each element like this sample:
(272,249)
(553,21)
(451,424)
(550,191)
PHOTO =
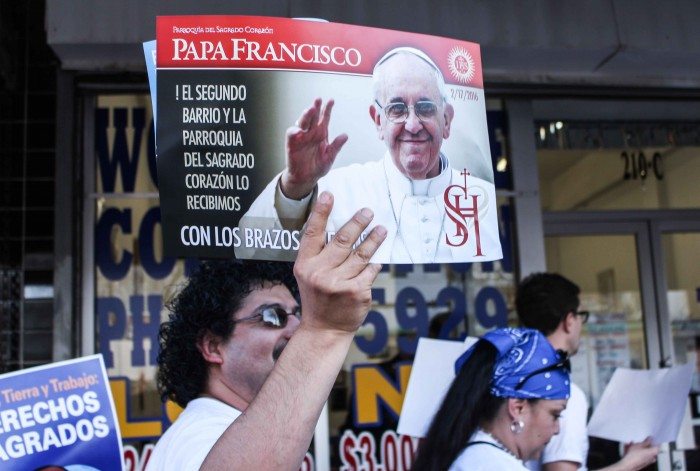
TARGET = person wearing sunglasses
(550,303)
(250,366)
(503,406)
(412,115)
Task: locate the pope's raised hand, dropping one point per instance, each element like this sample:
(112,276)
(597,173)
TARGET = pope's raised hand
(310,155)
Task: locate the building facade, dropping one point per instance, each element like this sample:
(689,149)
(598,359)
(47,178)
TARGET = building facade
(593,113)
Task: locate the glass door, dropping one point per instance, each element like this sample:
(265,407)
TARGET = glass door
(611,263)
(610,291)
(677,253)
(617,182)
(640,279)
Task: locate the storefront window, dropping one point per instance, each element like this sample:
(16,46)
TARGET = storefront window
(606,165)
(132,278)
(632,177)
(683,295)
(682,274)
(609,282)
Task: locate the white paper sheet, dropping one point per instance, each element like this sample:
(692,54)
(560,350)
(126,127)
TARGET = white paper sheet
(643,403)
(431,377)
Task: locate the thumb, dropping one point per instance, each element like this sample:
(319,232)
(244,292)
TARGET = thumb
(335,146)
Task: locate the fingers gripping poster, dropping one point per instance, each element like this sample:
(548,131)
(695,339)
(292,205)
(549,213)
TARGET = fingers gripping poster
(59,416)
(258,115)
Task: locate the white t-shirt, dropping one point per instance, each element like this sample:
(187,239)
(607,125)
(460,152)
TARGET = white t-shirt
(485,457)
(571,443)
(188,441)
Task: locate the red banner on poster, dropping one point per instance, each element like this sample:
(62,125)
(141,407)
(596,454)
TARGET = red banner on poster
(258,42)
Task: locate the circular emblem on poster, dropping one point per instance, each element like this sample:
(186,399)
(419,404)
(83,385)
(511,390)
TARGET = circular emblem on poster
(461,64)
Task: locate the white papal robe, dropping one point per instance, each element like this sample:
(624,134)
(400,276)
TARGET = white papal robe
(419,223)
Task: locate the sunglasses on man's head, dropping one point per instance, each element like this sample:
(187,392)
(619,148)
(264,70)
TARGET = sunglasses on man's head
(273,316)
(563,363)
(398,112)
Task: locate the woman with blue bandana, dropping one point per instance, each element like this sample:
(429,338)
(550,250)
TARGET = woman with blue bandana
(503,406)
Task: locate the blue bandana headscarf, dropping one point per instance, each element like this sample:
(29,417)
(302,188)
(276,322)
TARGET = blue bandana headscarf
(527,366)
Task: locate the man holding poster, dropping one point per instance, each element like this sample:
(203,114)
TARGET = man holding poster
(252,373)
(432,211)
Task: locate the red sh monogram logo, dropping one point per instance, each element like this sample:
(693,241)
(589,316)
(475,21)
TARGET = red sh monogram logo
(454,196)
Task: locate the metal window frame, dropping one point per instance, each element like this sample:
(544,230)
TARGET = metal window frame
(686,222)
(87,280)
(66,258)
(529,232)
(577,224)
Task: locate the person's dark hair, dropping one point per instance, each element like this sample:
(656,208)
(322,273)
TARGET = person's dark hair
(467,405)
(436,324)
(543,300)
(213,293)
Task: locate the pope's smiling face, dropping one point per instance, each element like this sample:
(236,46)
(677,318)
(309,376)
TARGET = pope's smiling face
(415,144)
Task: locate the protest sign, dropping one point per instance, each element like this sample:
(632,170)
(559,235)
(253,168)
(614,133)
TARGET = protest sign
(637,404)
(232,94)
(431,377)
(60,415)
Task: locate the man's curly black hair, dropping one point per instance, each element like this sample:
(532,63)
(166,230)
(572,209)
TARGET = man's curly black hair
(212,294)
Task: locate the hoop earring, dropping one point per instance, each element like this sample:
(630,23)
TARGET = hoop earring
(517,426)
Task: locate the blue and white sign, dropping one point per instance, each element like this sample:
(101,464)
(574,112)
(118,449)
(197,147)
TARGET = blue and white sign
(59,416)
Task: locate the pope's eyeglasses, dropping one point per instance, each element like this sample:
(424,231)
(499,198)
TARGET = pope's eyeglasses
(398,112)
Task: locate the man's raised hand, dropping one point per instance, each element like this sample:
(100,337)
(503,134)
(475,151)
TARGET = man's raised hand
(335,280)
(309,154)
